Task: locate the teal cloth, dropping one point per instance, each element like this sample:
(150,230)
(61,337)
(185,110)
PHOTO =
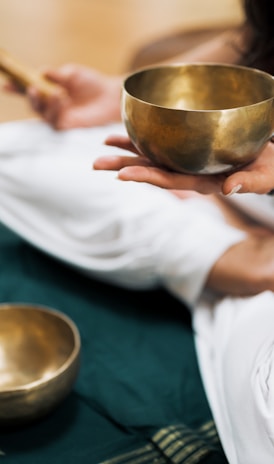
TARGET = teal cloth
(138,374)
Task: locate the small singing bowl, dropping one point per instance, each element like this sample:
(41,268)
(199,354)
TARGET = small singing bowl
(39,361)
(199,118)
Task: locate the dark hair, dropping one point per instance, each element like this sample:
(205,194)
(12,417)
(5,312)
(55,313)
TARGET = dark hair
(259,24)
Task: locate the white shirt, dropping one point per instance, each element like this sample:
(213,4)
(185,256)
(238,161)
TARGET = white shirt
(135,235)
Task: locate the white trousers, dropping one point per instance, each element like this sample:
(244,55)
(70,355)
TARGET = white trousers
(139,236)
(235,346)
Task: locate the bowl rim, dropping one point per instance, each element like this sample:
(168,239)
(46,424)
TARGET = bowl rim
(194,64)
(6,306)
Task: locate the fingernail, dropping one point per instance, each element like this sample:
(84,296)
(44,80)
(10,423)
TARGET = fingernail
(234,190)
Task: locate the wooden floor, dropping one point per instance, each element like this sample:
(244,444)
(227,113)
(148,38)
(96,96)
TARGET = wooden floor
(98,33)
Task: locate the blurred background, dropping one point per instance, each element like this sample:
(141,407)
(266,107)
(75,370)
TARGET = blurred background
(100,33)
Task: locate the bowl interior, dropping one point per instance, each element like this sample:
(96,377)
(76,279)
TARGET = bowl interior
(35,344)
(200,86)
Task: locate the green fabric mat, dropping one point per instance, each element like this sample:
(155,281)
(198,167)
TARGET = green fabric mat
(138,397)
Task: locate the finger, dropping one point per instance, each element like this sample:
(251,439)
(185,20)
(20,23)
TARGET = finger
(120,141)
(49,107)
(13,87)
(54,111)
(257,177)
(59,76)
(246,182)
(115,163)
(171,180)
(114,138)
(36,101)
(64,75)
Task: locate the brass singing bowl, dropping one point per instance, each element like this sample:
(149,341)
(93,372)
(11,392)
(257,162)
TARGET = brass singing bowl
(39,361)
(199,118)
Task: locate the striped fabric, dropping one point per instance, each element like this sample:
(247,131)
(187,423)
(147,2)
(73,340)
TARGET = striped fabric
(176,444)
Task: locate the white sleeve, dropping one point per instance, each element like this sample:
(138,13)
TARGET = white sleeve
(258,207)
(131,234)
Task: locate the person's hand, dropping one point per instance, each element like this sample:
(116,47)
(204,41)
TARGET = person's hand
(257,177)
(91,98)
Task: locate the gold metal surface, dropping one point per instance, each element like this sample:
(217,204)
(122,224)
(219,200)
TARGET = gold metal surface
(199,118)
(39,361)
